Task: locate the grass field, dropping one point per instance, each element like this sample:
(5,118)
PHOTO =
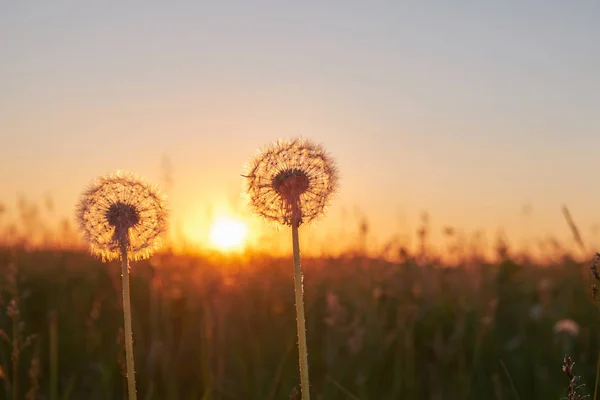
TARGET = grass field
(224,328)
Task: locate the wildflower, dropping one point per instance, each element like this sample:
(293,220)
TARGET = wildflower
(123,217)
(566,326)
(121,210)
(291,181)
(574,388)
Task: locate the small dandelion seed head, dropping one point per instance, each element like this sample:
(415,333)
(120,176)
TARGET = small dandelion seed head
(291,181)
(567,326)
(122,210)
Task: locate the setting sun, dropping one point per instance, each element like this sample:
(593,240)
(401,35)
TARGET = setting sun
(226,234)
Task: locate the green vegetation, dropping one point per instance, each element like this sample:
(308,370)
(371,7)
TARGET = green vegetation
(224,328)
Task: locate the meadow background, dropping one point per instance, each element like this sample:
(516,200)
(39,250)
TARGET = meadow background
(210,325)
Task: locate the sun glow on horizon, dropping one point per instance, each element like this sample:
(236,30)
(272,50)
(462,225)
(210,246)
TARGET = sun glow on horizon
(228,234)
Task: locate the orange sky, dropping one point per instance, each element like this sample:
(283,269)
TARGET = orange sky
(470,112)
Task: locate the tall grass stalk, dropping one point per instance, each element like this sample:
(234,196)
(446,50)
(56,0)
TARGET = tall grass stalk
(597,375)
(510,380)
(15,357)
(53,339)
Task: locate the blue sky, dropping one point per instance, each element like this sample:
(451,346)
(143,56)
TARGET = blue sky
(466,109)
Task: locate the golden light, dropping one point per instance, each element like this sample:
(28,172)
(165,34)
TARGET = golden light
(228,234)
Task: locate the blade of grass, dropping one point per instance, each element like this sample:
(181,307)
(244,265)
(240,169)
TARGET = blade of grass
(341,388)
(574,229)
(597,375)
(69,388)
(512,384)
(279,372)
(52,322)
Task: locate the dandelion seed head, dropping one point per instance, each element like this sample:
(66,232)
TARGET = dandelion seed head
(291,181)
(567,326)
(121,209)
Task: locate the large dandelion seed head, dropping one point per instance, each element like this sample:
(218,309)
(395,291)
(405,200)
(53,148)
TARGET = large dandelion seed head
(122,210)
(291,181)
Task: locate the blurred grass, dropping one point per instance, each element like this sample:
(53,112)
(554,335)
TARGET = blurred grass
(224,328)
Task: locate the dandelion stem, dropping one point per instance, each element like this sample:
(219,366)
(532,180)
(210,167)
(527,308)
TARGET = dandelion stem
(302,348)
(128,329)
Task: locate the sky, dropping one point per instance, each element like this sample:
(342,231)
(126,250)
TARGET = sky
(472,111)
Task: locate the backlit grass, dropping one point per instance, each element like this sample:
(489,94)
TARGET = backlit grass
(209,328)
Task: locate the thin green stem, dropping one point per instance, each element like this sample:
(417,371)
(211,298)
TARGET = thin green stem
(15,358)
(302,348)
(512,383)
(53,328)
(128,329)
(597,376)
